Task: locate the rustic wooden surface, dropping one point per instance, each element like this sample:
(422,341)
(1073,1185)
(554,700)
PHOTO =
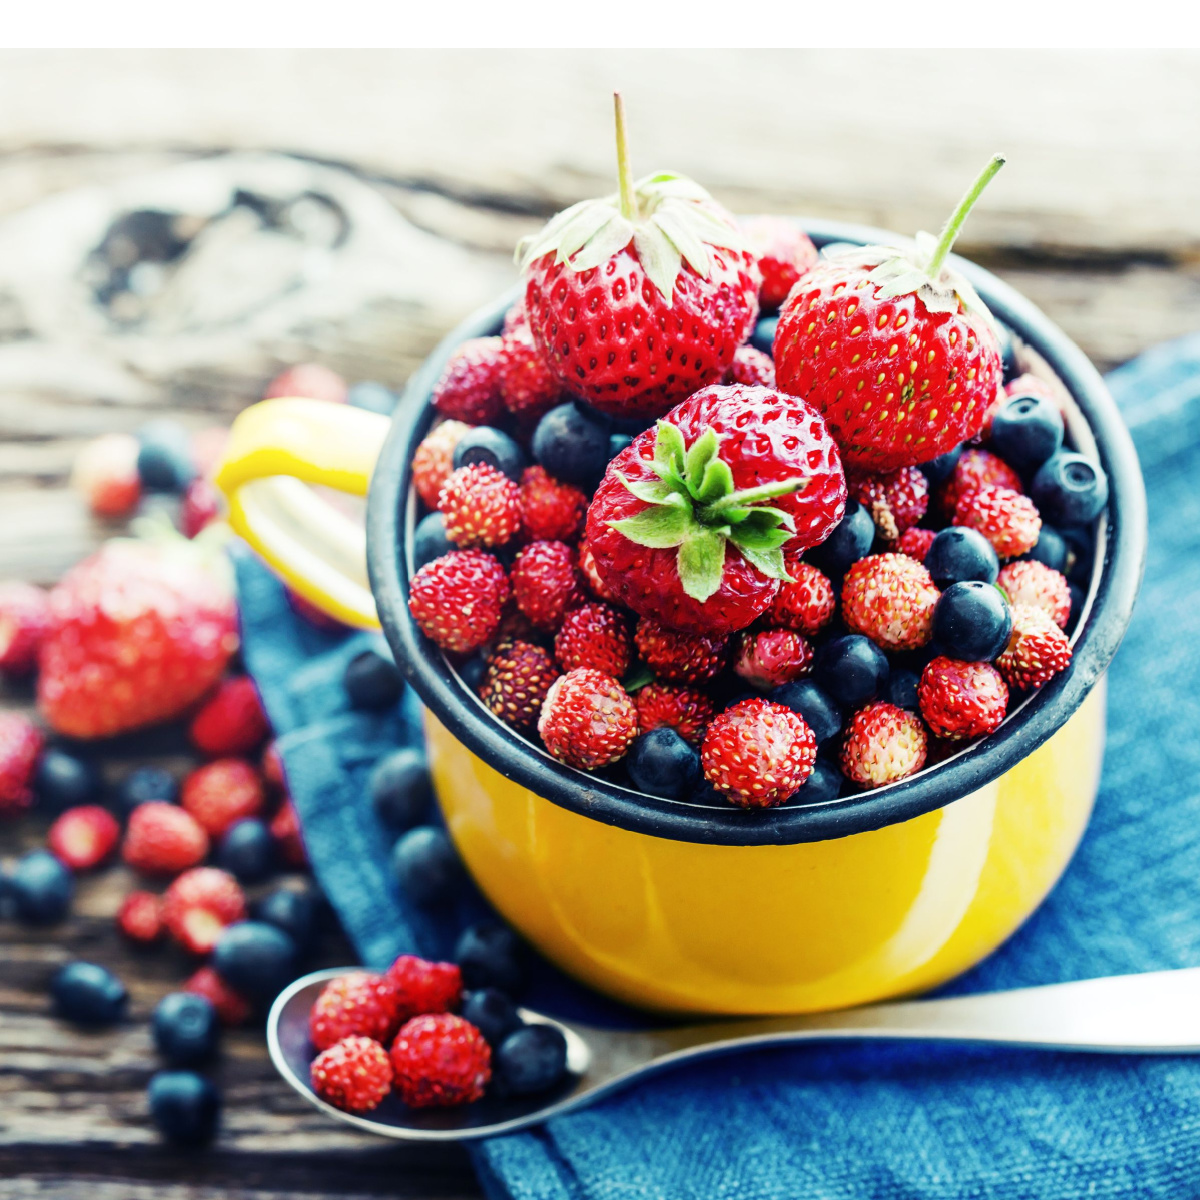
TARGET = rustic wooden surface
(435,163)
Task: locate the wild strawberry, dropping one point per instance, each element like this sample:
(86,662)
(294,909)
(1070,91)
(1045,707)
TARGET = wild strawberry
(974,469)
(232,1008)
(890,598)
(758,754)
(1007,519)
(686,710)
(231,722)
(24,621)
(515,626)
(894,347)
(140,917)
(141,631)
(515,684)
(882,744)
(200,508)
(915,543)
(528,387)
(961,700)
(481,506)
(289,839)
(433,459)
(594,635)
(767,658)
(751,367)
(587,564)
(105,474)
(82,838)
(425,987)
(621,317)
(357,1004)
(353,1074)
(162,839)
(679,657)
(440,1060)
(1037,651)
(469,389)
(784,253)
(20,748)
(692,520)
(199,905)
(896,501)
(311,381)
(550,511)
(546,583)
(457,599)
(221,793)
(806,604)
(587,719)
(1033,583)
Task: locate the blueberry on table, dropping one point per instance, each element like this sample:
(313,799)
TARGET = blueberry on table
(41,888)
(492,1013)
(88,994)
(165,462)
(820,713)
(1069,489)
(1026,431)
(850,540)
(572,445)
(401,788)
(1051,548)
(142,785)
(426,867)
(901,689)
(763,337)
(851,669)
(185,1107)
(483,444)
(64,780)
(373,397)
(186,1028)
(256,959)
(294,910)
(372,682)
(823,785)
(532,1059)
(661,763)
(430,540)
(491,955)
(957,554)
(247,850)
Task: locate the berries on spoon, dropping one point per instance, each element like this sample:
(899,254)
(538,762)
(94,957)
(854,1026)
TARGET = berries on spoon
(353,1074)
(440,1060)
(357,1004)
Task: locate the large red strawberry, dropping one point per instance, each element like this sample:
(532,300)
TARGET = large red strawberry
(691,521)
(894,347)
(637,300)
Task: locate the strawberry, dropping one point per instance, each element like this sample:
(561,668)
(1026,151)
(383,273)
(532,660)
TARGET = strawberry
(1007,519)
(550,511)
(82,838)
(896,501)
(882,744)
(199,905)
(587,719)
(594,635)
(425,987)
(141,631)
(516,318)
(687,710)
(232,1008)
(679,657)
(587,564)
(637,300)
(308,381)
(890,598)
(162,839)
(20,748)
(961,700)
(894,347)
(469,389)
(440,1060)
(758,754)
(515,684)
(1036,652)
(357,1004)
(200,508)
(289,838)
(973,469)
(140,917)
(751,367)
(546,583)
(24,622)
(806,604)
(221,793)
(784,253)
(767,658)
(457,599)
(915,543)
(528,388)
(231,722)
(354,1074)
(105,474)
(481,506)
(692,520)
(433,459)
(1035,584)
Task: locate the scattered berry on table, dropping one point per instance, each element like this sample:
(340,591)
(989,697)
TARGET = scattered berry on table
(492,1013)
(849,541)
(661,763)
(248,850)
(890,598)
(201,507)
(597,636)
(162,839)
(1033,583)
(199,905)
(758,753)
(974,469)
(286,832)
(232,1007)
(231,722)
(105,474)
(883,743)
(294,910)
(433,460)
(1027,430)
(587,719)
(896,500)
(140,917)
(469,389)
(24,621)
(222,792)
(546,583)
(550,510)
(357,1004)
(88,994)
(767,658)
(256,959)
(372,681)
(491,955)
(66,780)
(751,367)
(308,381)
(915,543)
(572,445)
(807,604)
(851,669)
(680,657)
(457,600)
(957,554)
(186,1029)
(144,784)
(165,460)
(41,888)
(185,1107)
(528,387)
(481,507)
(430,540)
(972,621)
(490,447)
(353,1074)
(427,867)
(517,678)
(423,986)
(1008,520)
(1069,489)
(82,838)
(687,710)
(401,788)
(440,1060)
(1037,651)
(372,397)
(961,700)
(783,251)
(21,744)
(531,1059)
(819,711)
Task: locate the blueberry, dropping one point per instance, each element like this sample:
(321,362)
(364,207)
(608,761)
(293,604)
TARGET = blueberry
(483,444)
(142,785)
(972,621)
(940,468)
(88,994)
(185,1028)
(491,955)
(401,788)
(851,669)
(1051,549)
(427,867)
(820,713)
(1008,351)
(247,850)
(1069,489)
(1026,431)
(957,554)
(64,780)
(763,337)
(373,397)
(532,1059)
(294,910)
(492,1013)
(165,462)
(901,689)
(572,445)
(255,959)
(661,763)
(372,681)
(617,442)
(850,541)
(821,786)
(430,540)
(472,672)
(41,888)
(184,1107)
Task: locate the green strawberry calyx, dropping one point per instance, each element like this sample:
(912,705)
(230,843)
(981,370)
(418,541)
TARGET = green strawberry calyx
(693,505)
(669,219)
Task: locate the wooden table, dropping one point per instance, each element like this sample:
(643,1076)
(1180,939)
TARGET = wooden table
(434,164)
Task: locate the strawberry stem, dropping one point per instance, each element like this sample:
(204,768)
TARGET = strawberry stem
(624,174)
(951,229)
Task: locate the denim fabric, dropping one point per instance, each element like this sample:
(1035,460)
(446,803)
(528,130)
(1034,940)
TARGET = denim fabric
(899,1122)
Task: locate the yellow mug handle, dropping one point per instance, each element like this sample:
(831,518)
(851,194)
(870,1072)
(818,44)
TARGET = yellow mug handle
(276,449)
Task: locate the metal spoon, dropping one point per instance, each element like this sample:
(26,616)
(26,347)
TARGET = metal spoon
(1153,1013)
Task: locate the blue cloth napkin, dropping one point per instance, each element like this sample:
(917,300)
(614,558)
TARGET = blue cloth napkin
(858,1120)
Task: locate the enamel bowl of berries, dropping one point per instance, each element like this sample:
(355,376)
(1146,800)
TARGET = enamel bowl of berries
(758,577)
